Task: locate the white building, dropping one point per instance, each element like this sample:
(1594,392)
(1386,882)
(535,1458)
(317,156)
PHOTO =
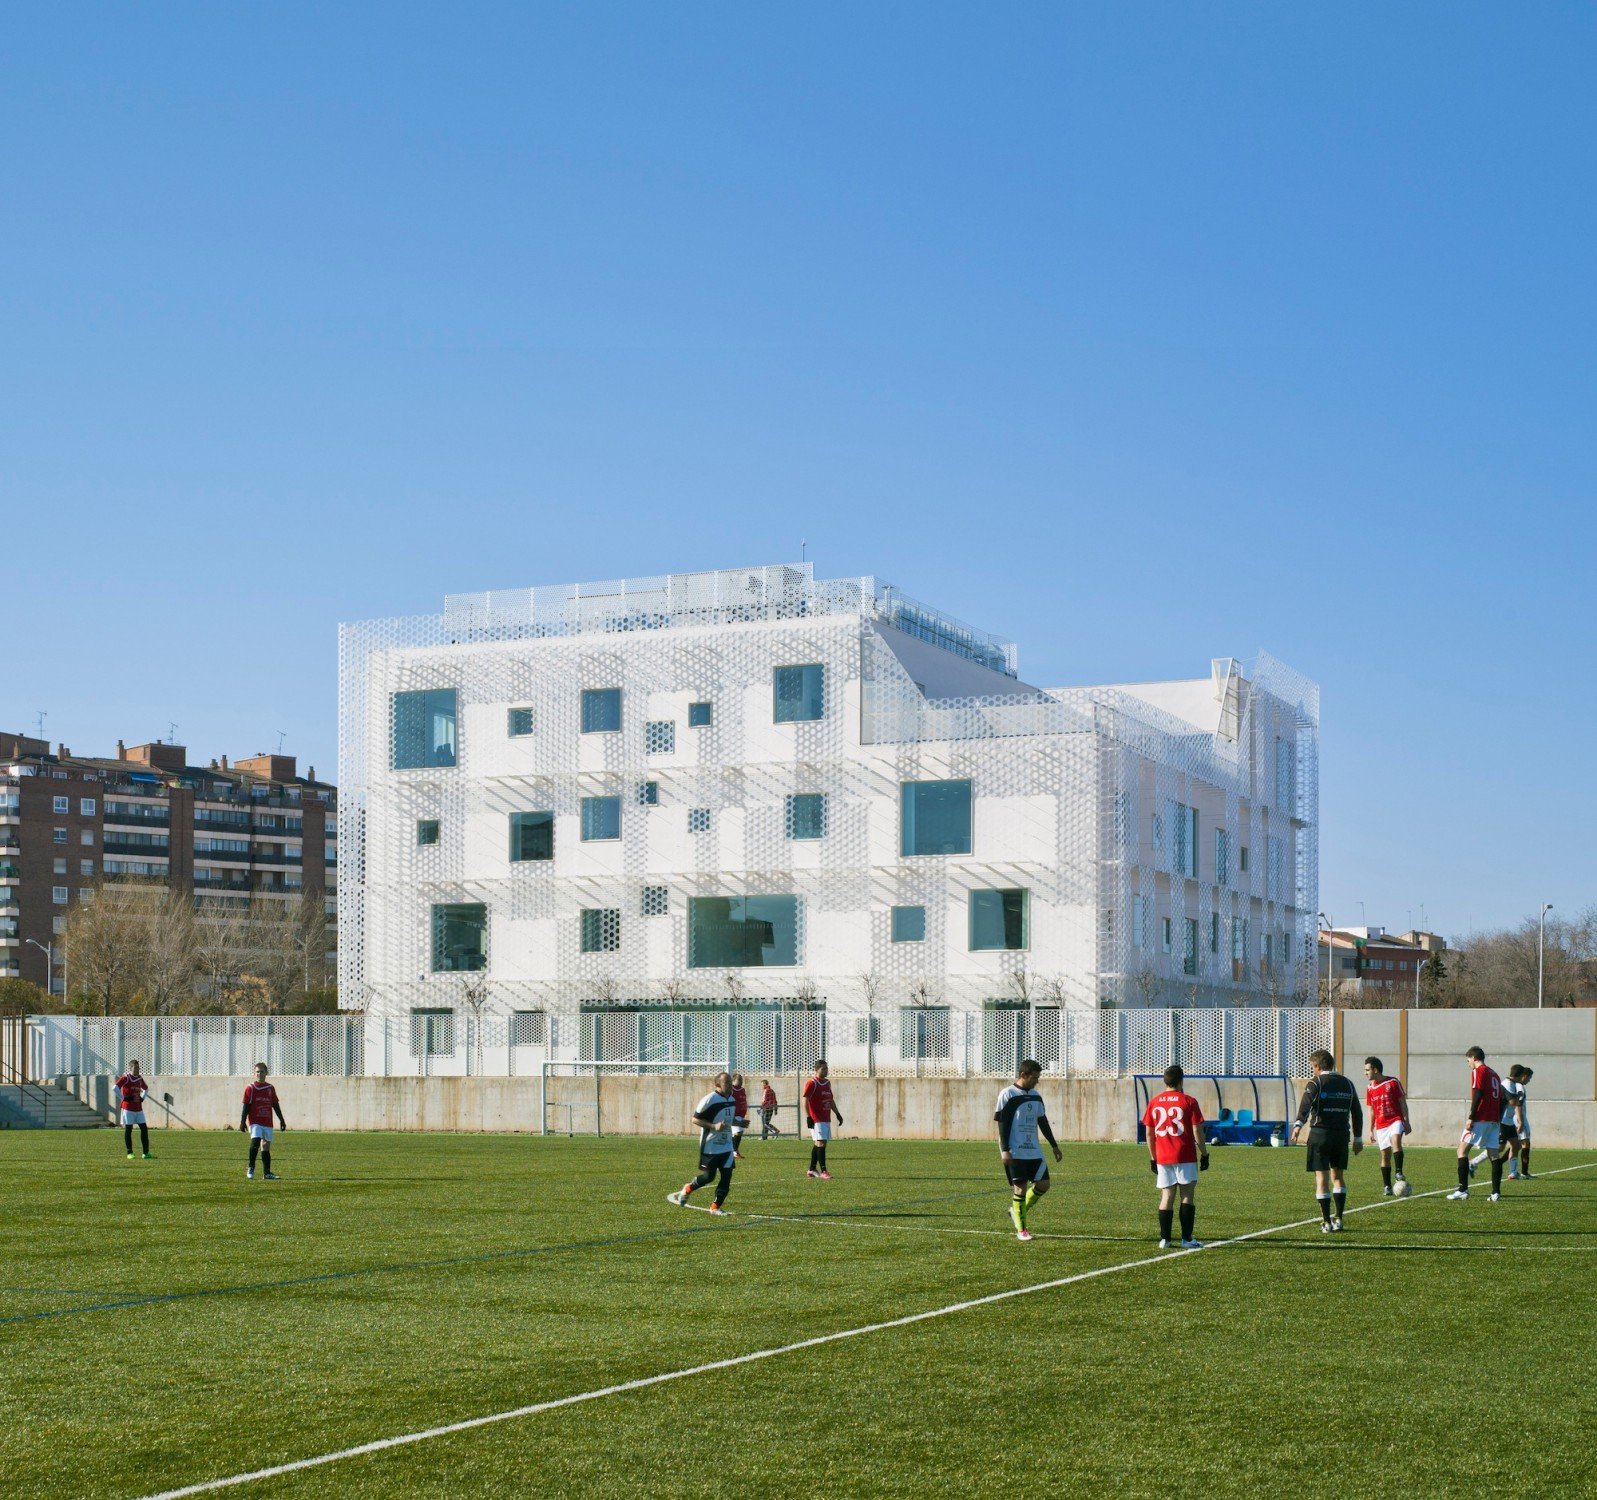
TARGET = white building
(728,790)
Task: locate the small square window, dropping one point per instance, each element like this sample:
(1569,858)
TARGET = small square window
(528,1028)
(601,711)
(60,867)
(86,806)
(532,836)
(656,901)
(698,820)
(58,835)
(63,804)
(86,838)
(648,793)
(806,815)
(427,831)
(86,867)
(601,818)
(799,693)
(909,924)
(518,722)
(699,715)
(58,894)
(1000,920)
(659,737)
(601,931)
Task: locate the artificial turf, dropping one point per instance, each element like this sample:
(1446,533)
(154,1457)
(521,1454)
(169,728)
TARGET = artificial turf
(163,1323)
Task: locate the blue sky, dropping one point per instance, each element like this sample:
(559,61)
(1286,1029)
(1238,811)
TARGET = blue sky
(1139,334)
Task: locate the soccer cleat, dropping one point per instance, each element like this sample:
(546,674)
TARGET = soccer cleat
(1458,1195)
(1386,1192)
(271,1176)
(130,1156)
(1164,1244)
(1325,1226)
(737,1156)
(1192,1244)
(1023,1234)
(1494,1197)
(824,1173)
(249,1172)
(718,1211)
(1336,1224)
(148,1157)
(812,1173)
(1513,1176)
(1526,1176)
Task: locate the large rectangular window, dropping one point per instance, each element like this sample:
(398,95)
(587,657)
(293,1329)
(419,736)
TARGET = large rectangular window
(1222,856)
(909,924)
(601,818)
(799,693)
(1184,841)
(601,710)
(460,937)
(742,932)
(1189,950)
(934,817)
(999,919)
(532,836)
(601,930)
(423,730)
(806,815)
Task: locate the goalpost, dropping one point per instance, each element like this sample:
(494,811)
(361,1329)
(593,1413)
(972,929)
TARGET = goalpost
(574,1099)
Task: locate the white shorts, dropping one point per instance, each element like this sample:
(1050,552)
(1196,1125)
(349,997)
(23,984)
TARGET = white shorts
(133,1117)
(1178,1174)
(1482,1135)
(1388,1137)
(261,1133)
(820,1131)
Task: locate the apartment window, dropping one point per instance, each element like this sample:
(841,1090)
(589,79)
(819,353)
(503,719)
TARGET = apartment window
(58,894)
(528,1028)
(698,820)
(423,729)
(806,815)
(743,932)
(1272,868)
(460,937)
(1184,841)
(63,805)
(659,737)
(601,930)
(86,837)
(656,901)
(58,835)
(799,693)
(909,924)
(518,722)
(427,830)
(1189,947)
(58,925)
(1139,922)
(601,818)
(86,807)
(1214,932)
(432,1033)
(86,867)
(60,867)
(934,817)
(1164,934)
(1222,856)
(1239,939)
(1000,920)
(699,715)
(1242,858)
(601,711)
(648,793)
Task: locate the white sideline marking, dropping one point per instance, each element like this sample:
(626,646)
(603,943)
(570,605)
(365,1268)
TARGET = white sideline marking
(643,1383)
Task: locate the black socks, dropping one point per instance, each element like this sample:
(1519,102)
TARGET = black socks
(1386,1176)
(1497,1174)
(1340,1199)
(1167,1220)
(144,1139)
(815,1158)
(1397,1160)
(127,1137)
(1189,1214)
(1463,1174)
(1325,1206)
(255,1150)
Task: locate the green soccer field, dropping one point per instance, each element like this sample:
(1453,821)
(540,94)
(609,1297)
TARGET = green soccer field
(166,1323)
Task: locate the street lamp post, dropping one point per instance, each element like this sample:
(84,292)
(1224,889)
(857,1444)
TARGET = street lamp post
(1541,950)
(1330,953)
(49,963)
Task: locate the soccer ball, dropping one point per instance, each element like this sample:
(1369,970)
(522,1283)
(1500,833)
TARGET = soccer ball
(1401,1188)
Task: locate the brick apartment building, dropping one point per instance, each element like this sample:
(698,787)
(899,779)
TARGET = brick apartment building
(253,830)
(1365,958)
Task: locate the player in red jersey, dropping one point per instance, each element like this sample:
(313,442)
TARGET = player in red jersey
(1388,1121)
(1484,1125)
(1178,1149)
(740,1113)
(819,1107)
(130,1090)
(767,1109)
(260,1103)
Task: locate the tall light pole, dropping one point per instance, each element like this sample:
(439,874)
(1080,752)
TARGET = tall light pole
(1330,952)
(49,964)
(1541,950)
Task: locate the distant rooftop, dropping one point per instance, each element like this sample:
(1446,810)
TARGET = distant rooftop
(728,596)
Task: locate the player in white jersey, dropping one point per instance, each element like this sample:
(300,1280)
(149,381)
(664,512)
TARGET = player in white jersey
(1525,1075)
(714,1115)
(1022,1118)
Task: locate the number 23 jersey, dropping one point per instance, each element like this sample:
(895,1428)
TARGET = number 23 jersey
(1169,1119)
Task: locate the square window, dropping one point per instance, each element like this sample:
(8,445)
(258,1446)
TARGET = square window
(60,867)
(460,937)
(601,818)
(427,830)
(799,693)
(86,807)
(528,1028)
(699,715)
(601,711)
(999,920)
(806,815)
(909,924)
(934,817)
(63,804)
(86,837)
(532,836)
(698,820)
(659,737)
(518,722)
(58,894)
(742,932)
(601,931)
(648,793)
(656,901)
(86,867)
(423,729)
(58,835)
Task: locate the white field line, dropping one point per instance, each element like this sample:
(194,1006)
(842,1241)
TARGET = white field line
(908,1320)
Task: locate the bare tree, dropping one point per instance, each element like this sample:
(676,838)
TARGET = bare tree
(1147,984)
(804,991)
(733,982)
(674,989)
(474,999)
(222,940)
(169,957)
(101,946)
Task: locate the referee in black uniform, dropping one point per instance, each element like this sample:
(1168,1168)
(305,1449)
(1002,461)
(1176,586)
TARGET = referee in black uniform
(1330,1109)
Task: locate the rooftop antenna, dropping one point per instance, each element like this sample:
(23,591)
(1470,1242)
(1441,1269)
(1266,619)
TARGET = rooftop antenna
(171,731)
(804,552)
(43,715)
(282,734)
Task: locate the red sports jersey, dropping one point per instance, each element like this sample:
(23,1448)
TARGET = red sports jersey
(1169,1118)
(132,1089)
(740,1101)
(818,1100)
(260,1099)
(768,1098)
(1385,1100)
(1491,1086)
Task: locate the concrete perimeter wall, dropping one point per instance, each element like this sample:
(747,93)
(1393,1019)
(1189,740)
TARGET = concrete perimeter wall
(1084,1109)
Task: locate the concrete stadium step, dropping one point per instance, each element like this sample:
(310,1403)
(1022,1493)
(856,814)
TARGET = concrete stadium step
(42,1106)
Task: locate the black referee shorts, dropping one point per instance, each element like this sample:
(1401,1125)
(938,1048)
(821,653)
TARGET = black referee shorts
(1020,1172)
(1326,1151)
